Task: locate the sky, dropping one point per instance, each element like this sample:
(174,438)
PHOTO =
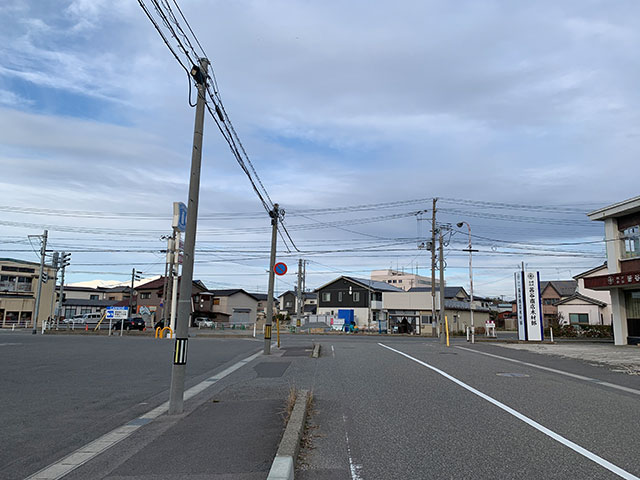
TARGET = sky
(520,117)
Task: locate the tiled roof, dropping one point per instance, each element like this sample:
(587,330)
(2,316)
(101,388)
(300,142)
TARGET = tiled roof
(565,288)
(375,285)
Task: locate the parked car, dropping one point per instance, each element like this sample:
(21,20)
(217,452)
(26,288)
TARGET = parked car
(133,323)
(203,322)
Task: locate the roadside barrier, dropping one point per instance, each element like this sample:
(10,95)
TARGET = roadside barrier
(160,332)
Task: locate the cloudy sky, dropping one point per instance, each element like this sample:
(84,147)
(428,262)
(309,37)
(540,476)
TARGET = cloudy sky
(519,116)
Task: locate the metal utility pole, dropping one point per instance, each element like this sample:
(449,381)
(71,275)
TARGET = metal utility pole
(433,262)
(274,214)
(443,333)
(299,295)
(176,392)
(43,250)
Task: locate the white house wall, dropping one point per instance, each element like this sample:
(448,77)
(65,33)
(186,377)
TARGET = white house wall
(579,306)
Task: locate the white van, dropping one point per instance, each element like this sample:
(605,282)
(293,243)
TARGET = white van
(84,318)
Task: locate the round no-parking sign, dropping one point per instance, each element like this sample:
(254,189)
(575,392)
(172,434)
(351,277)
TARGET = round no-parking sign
(280,268)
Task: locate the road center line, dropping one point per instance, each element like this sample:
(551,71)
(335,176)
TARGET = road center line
(568,443)
(560,372)
(85,453)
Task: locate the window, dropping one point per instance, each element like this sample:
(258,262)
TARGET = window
(112,298)
(216,301)
(326,296)
(631,239)
(94,297)
(288,304)
(551,301)
(577,318)
(145,296)
(339,296)
(356,296)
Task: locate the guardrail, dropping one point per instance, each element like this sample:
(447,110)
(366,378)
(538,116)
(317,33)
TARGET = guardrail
(160,332)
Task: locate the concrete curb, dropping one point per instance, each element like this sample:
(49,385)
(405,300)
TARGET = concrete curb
(283,466)
(316,351)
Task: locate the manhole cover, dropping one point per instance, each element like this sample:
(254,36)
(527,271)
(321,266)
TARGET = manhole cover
(511,374)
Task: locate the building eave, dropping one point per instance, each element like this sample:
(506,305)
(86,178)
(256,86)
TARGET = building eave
(625,207)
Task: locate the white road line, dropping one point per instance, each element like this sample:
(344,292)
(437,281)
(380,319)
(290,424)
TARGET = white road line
(85,453)
(354,468)
(568,443)
(560,372)
(333,351)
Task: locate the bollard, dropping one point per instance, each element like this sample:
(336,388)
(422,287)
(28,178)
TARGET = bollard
(551,331)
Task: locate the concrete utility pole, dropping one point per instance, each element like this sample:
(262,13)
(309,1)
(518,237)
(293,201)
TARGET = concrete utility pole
(443,334)
(55,264)
(165,286)
(274,214)
(43,251)
(470,250)
(176,392)
(175,275)
(64,261)
(134,276)
(300,295)
(433,263)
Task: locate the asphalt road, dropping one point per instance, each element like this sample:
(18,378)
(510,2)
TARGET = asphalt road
(381,415)
(415,410)
(60,392)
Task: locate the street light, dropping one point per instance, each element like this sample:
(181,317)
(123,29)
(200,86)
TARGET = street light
(470,250)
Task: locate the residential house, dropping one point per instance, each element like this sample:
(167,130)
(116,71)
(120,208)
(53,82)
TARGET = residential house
(18,291)
(415,306)
(360,295)
(78,300)
(234,306)
(148,297)
(402,280)
(551,292)
(450,293)
(586,306)
(622,279)
(289,303)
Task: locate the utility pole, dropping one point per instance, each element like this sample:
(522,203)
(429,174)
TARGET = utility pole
(176,392)
(165,286)
(299,295)
(55,264)
(433,262)
(274,214)
(43,250)
(134,276)
(175,275)
(65,259)
(443,333)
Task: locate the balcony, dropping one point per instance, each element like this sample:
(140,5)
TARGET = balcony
(376,304)
(13,287)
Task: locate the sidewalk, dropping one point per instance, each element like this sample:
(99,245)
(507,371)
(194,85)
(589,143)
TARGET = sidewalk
(625,359)
(229,431)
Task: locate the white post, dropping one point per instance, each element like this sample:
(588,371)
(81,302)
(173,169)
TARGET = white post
(174,302)
(551,332)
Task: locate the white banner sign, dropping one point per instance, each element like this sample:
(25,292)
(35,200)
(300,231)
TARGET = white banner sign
(533,308)
(520,304)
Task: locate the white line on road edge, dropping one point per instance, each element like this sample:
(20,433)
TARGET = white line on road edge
(82,455)
(354,469)
(548,369)
(333,351)
(568,443)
